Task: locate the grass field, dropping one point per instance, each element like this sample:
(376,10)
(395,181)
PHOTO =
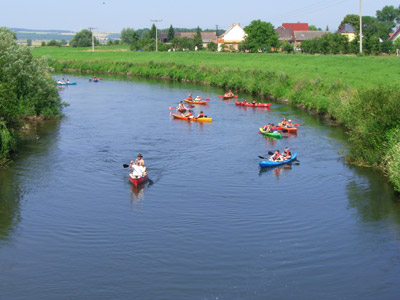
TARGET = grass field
(353,71)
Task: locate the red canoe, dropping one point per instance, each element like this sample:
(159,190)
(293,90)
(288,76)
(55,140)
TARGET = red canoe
(253,105)
(138,181)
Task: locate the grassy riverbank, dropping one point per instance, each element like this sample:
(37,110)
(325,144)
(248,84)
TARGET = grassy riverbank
(359,92)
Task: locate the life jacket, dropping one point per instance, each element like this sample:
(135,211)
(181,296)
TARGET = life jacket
(201,115)
(287,153)
(276,156)
(284,123)
(289,124)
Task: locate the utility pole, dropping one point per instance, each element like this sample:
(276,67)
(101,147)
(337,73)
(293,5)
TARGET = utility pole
(361,32)
(216,33)
(155,21)
(91,30)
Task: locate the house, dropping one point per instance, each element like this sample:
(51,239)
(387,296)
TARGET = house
(300,36)
(295,27)
(231,38)
(284,34)
(395,35)
(348,31)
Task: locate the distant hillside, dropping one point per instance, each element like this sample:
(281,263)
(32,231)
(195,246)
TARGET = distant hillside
(40,30)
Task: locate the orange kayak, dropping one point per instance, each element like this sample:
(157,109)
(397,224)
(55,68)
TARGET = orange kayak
(180,117)
(201,102)
(288,129)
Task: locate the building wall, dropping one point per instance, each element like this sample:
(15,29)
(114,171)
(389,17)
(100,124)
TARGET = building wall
(350,36)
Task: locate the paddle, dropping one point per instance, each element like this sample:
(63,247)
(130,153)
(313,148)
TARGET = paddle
(269,152)
(125,166)
(207,99)
(171,107)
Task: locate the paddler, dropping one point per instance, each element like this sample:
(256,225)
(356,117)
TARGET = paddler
(276,156)
(284,122)
(189,97)
(138,167)
(289,124)
(286,153)
(200,115)
(181,108)
(254,102)
(198,98)
(267,128)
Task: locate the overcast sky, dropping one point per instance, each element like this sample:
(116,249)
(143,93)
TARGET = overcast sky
(113,15)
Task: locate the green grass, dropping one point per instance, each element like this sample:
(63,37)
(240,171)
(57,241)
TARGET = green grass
(353,71)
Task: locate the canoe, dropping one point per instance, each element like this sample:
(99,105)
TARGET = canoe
(275,134)
(66,83)
(253,105)
(180,117)
(139,180)
(269,163)
(95,80)
(288,129)
(228,97)
(201,102)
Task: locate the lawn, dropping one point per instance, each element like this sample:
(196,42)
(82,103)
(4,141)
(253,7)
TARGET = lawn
(356,72)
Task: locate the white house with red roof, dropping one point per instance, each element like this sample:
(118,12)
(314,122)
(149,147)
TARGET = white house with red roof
(232,37)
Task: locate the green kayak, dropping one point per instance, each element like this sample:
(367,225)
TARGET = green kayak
(274,134)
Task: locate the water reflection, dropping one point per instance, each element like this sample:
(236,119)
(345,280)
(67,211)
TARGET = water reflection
(372,196)
(38,137)
(137,192)
(10,199)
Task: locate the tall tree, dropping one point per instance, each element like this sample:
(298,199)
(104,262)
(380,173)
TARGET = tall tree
(197,40)
(171,34)
(83,39)
(260,35)
(153,31)
(129,36)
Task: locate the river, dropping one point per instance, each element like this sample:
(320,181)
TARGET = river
(210,224)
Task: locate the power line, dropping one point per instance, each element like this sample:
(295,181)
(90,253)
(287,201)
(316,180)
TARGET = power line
(309,9)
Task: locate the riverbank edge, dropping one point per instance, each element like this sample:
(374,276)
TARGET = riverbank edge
(333,100)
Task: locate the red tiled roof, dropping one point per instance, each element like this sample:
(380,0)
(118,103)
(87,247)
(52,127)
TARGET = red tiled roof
(296,26)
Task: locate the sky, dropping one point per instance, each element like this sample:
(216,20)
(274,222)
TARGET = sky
(113,15)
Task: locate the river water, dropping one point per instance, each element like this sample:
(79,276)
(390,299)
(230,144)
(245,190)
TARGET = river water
(210,224)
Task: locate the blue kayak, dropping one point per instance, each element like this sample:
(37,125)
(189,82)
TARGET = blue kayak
(269,163)
(66,83)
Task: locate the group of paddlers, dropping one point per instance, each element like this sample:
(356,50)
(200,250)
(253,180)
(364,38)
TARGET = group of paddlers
(277,156)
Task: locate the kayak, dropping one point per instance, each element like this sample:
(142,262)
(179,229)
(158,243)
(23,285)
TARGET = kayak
(201,102)
(269,163)
(253,105)
(138,180)
(227,97)
(180,117)
(288,129)
(274,134)
(66,83)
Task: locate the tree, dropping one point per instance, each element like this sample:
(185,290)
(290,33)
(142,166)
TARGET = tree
(197,40)
(183,43)
(314,28)
(171,34)
(26,89)
(212,46)
(260,35)
(29,42)
(389,15)
(52,43)
(287,47)
(129,36)
(153,32)
(83,39)
(352,19)
(43,44)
